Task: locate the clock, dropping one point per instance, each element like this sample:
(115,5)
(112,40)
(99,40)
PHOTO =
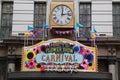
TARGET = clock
(62,15)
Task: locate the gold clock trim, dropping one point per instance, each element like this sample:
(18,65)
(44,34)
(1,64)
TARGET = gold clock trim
(71,23)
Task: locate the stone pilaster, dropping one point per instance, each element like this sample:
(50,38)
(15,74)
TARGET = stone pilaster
(112,69)
(11,67)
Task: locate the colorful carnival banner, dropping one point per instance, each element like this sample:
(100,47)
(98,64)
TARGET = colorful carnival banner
(59,55)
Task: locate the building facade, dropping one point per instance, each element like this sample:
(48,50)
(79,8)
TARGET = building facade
(16,15)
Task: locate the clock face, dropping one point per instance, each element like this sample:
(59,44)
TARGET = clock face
(62,14)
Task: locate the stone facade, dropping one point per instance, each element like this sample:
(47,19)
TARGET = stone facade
(23,15)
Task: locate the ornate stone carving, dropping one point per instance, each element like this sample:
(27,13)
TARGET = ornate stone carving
(111,51)
(11,50)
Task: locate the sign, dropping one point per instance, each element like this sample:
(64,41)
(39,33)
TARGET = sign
(59,55)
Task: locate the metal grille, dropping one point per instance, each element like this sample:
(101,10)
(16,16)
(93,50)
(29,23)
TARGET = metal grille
(85,17)
(7,14)
(102,66)
(18,64)
(40,14)
(116,20)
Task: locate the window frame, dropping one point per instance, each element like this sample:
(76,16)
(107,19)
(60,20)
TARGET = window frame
(37,26)
(87,3)
(7,27)
(86,29)
(116,22)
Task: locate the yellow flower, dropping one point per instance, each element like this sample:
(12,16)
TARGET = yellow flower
(29,55)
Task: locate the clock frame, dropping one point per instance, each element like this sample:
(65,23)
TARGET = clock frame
(52,22)
(62,14)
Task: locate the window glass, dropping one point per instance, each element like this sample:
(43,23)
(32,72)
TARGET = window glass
(7,15)
(85,14)
(40,14)
(116,19)
(85,17)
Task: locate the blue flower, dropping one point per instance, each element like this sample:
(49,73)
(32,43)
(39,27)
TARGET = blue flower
(89,57)
(76,49)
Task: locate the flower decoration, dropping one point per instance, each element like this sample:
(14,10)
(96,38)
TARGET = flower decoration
(82,51)
(85,64)
(30,54)
(43,48)
(80,56)
(76,49)
(31,63)
(38,65)
(87,51)
(89,57)
(42,68)
(37,50)
(26,62)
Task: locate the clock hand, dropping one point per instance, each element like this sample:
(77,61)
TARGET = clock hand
(62,11)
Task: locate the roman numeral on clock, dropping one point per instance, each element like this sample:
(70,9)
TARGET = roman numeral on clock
(53,14)
(68,18)
(58,8)
(66,21)
(55,18)
(57,21)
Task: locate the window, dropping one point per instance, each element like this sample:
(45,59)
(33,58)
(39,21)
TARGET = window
(7,14)
(85,16)
(39,15)
(116,19)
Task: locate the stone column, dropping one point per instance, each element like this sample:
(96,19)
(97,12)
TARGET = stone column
(48,11)
(112,69)
(76,14)
(11,67)
(117,71)
(47,17)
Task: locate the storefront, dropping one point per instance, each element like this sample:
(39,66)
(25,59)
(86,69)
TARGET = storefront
(57,59)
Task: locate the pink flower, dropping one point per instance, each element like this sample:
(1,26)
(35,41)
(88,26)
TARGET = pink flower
(85,64)
(83,51)
(87,51)
(37,50)
(31,63)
